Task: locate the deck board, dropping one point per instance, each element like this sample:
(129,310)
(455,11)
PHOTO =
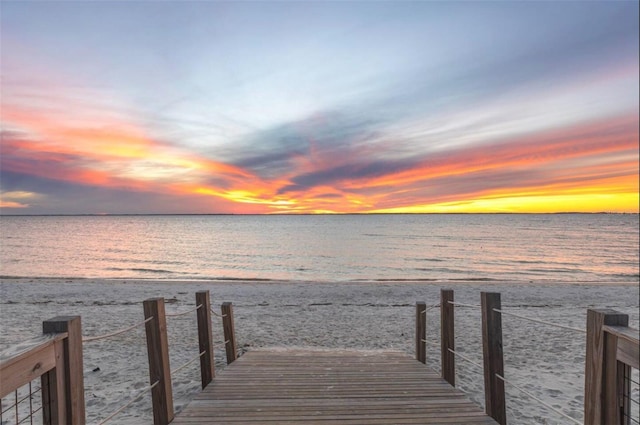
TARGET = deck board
(329,387)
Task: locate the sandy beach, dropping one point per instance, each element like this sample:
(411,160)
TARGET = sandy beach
(547,361)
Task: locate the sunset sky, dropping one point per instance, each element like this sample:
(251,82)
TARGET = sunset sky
(300,107)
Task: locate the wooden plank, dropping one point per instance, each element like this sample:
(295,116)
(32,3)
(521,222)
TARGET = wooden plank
(28,364)
(447,337)
(628,345)
(229,332)
(53,390)
(492,355)
(610,411)
(318,387)
(158,354)
(421,332)
(205,338)
(628,353)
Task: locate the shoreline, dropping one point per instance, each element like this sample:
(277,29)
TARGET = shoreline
(266,281)
(320,315)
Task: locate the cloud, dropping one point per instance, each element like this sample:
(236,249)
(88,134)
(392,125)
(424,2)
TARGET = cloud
(16,199)
(603,154)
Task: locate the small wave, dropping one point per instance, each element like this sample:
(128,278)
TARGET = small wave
(247,279)
(151,270)
(635,276)
(473,279)
(428,260)
(397,279)
(551,270)
(140,270)
(530,262)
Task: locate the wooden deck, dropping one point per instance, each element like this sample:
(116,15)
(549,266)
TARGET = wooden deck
(330,387)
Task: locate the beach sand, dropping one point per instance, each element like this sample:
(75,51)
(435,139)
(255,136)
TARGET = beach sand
(547,361)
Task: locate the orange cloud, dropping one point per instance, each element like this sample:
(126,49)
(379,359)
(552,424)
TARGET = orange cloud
(592,166)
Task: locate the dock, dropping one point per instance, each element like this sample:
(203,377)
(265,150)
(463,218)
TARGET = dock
(45,376)
(329,387)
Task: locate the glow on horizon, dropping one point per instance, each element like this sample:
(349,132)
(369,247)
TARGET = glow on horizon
(325,122)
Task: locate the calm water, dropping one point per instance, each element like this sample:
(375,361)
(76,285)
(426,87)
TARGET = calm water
(326,248)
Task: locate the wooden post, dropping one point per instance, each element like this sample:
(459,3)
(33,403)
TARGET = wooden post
(205,338)
(63,386)
(421,331)
(601,366)
(229,332)
(158,353)
(447,337)
(493,357)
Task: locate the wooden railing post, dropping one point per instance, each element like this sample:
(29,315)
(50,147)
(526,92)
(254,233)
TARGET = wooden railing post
(63,386)
(158,353)
(601,368)
(495,405)
(229,332)
(421,331)
(447,337)
(205,337)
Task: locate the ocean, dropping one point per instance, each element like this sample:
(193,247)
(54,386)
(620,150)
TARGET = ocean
(464,247)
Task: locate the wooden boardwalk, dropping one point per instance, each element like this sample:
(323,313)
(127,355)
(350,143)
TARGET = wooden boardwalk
(330,387)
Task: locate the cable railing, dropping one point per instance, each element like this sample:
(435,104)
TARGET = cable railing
(18,411)
(184,313)
(612,353)
(62,348)
(144,390)
(115,333)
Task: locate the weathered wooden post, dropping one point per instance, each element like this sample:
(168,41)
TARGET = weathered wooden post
(229,332)
(421,331)
(447,337)
(492,355)
(63,386)
(601,368)
(205,337)
(158,353)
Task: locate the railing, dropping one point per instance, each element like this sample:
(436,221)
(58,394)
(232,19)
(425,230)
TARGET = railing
(56,359)
(612,352)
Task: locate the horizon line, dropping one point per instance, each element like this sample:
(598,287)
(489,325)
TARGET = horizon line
(310,214)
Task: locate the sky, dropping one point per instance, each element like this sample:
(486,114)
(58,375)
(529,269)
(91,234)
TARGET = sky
(191,107)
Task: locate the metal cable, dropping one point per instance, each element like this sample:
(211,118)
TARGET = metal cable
(140,394)
(466,358)
(187,363)
(430,342)
(31,402)
(539,321)
(464,305)
(430,308)
(185,312)
(631,399)
(17,402)
(31,415)
(561,413)
(121,331)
